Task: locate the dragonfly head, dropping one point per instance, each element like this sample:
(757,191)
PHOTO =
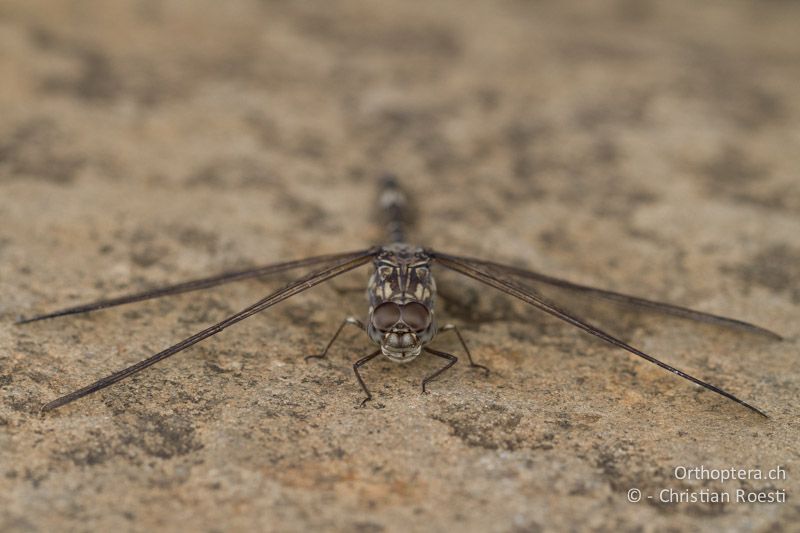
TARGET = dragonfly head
(402,329)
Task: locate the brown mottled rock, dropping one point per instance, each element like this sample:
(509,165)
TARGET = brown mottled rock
(647,147)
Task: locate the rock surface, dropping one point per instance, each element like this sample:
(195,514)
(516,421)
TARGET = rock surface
(647,147)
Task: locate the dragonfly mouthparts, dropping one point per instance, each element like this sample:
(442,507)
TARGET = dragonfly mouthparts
(401,346)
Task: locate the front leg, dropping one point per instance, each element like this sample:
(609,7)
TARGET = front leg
(473,364)
(452,359)
(361,362)
(349,320)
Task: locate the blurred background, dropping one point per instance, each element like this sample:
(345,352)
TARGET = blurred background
(530,112)
(650,147)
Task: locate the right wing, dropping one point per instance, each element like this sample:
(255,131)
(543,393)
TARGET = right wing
(188,286)
(351,261)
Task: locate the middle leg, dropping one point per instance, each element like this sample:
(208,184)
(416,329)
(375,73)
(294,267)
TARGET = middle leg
(473,364)
(349,320)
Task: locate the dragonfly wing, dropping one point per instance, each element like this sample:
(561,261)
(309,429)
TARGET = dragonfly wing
(628,300)
(302,284)
(188,286)
(484,274)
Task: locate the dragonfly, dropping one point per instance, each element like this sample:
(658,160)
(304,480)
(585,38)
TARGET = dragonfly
(401,319)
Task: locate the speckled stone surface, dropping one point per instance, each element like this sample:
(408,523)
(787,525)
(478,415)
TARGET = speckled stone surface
(647,147)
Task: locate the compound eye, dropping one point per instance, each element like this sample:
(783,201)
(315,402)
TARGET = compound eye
(416,316)
(385,316)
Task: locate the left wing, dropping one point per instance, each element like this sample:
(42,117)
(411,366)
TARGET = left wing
(487,274)
(624,299)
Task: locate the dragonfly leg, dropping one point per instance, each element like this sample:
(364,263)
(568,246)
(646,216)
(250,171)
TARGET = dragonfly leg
(361,362)
(473,364)
(349,320)
(452,359)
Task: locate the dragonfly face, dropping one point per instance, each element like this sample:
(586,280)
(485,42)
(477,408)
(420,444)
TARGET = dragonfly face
(401,295)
